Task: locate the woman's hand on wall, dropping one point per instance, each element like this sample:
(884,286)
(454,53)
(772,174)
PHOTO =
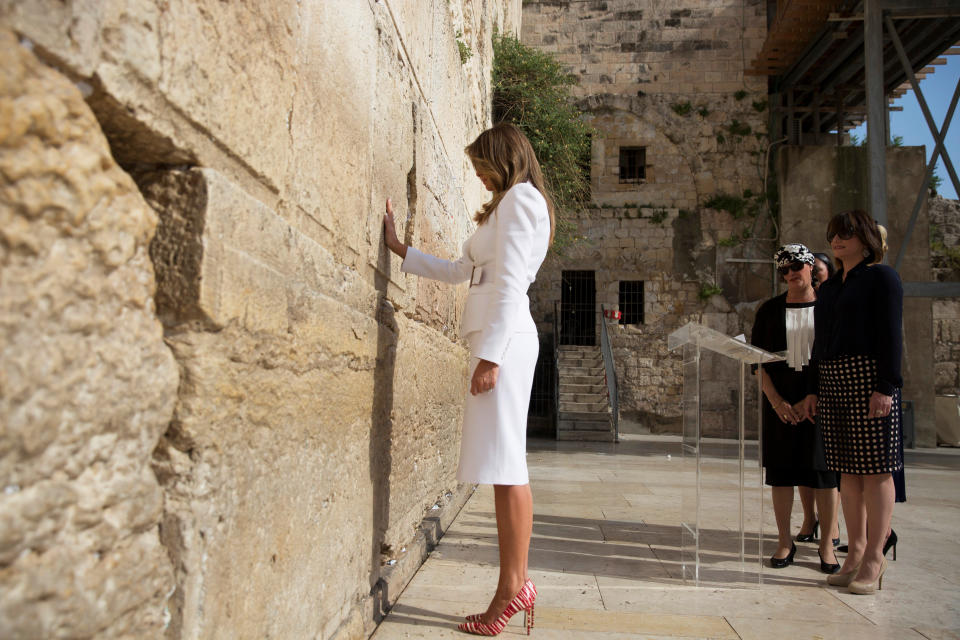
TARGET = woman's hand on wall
(880,405)
(484,377)
(390,233)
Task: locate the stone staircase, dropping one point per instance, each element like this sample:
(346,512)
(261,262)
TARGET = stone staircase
(584,403)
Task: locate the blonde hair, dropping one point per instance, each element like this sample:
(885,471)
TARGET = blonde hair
(882,230)
(504,155)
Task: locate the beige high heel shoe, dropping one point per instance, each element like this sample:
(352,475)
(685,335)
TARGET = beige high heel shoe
(843,579)
(866,588)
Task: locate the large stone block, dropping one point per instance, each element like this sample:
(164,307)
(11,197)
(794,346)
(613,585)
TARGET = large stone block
(88,384)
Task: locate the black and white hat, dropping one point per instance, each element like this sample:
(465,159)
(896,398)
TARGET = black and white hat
(790,253)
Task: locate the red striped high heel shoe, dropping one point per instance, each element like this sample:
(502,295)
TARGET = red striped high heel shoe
(523,601)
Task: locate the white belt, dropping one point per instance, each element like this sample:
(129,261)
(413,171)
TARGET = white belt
(478,276)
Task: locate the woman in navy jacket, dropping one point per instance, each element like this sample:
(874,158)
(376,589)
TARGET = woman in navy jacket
(857,350)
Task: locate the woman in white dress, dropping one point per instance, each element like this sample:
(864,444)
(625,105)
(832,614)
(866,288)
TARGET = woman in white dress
(500,260)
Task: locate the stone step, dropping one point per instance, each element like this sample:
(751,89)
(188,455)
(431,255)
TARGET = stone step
(582,348)
(580,371)
(581,362)
(584,352)
(585,407)
(579,425)
(597,386)
(583,397)
(584,416)
(586,436)
(580,379)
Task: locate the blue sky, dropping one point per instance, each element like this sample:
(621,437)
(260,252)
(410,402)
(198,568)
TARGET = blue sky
(937,89)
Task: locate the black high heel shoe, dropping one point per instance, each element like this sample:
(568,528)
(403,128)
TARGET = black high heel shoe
(891,542)
(780,563)
(809,537)
(828,567)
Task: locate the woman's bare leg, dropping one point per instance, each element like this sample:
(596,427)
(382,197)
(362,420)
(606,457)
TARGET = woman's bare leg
(782,506)
(855,513)
(809,514)
(514,506)
(827,507)
(878,497)
(835,533)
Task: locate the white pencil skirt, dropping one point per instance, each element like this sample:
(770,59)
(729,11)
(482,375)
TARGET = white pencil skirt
(493,448)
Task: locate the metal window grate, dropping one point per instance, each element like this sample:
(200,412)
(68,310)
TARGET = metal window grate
(578,310)
(633,164)
(542,393)
(631,301)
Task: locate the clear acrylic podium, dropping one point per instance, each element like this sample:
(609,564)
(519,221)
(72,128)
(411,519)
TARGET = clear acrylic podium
(721,507)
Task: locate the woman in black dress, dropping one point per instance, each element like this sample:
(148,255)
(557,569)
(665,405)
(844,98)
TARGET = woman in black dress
(859,343)
(792,449)
(822,270)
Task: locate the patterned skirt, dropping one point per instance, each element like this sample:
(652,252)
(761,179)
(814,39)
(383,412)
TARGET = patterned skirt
(854,442)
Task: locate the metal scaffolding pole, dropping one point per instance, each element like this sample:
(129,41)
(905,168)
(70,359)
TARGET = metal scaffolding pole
(876,118)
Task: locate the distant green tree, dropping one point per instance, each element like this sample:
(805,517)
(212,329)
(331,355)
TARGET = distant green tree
(532,90)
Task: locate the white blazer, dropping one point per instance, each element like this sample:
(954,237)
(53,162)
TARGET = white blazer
(508,249)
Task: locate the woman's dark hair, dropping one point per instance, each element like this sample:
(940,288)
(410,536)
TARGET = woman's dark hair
(825,259)
(857,222)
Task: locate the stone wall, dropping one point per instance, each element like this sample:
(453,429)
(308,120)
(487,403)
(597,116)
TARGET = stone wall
(945,240)
(87,384)
(818,181)
(237,429)
(667,77)
(676,255)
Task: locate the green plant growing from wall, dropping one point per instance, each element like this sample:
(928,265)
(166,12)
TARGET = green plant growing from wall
(731,241)
(658,216)
(703,111)
(708,290)
(738,128)
(935,182)
(734,205)
(465,51)
(739,95)
(532,90)
(759,106)
(682,108)
(949,256)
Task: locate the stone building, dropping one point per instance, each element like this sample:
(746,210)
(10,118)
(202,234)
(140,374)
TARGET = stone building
(225,412)
(677,181)
(945,241)
(691,195)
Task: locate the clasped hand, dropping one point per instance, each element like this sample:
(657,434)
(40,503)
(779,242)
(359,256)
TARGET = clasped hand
(796,413)
(484,377)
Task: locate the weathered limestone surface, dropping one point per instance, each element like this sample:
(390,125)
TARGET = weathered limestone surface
(315,423)
(818,181)
(87,386)
(945,239)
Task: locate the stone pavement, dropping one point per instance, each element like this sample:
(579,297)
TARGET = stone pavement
(605,558)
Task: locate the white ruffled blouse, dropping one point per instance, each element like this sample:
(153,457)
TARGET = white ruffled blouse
(799,335)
